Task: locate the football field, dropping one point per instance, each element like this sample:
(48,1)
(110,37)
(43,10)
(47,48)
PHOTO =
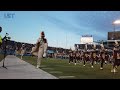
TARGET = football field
(1,57)
(61,69)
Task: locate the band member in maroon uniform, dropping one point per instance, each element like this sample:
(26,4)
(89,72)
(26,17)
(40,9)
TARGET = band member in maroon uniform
(99,57)
(84,58)
(90,56)
(116,57)
(106,57)
(93,55)
(102,56)
(74,57)
(93,58)
(85,55)
(78,56)
(102,59)
(70,57)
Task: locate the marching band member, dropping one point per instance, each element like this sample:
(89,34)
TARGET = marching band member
(40,48)
(86,57)
(22,50)
(93,56)
(71,58)
(82,56)
(116,57)
(74,57)
(90,56)
(78,56)
(102,55)
(106,57)
(102,59)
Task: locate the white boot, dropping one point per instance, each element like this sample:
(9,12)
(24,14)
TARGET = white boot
(92,67)
(38,66)
(112,70)
(115,70)
(101,68)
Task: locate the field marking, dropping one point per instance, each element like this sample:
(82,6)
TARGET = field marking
(43,66)
(48,68)
(66,76)
(56,72)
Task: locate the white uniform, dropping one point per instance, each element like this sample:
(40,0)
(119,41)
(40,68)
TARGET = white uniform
(40,50)
(22,52)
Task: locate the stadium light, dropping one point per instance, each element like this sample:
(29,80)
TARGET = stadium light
(116,22)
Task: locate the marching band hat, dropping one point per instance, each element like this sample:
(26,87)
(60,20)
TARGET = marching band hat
(23,44)
(42,33)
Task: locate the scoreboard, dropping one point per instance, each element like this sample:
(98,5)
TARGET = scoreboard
(114,35)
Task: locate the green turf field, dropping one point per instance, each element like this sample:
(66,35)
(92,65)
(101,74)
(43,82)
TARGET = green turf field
(61,68)
(1,57)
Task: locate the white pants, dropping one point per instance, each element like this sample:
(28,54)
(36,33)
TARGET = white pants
(45,49)
(40,53)
(22,53)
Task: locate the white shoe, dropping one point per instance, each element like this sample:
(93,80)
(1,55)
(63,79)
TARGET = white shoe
(84,65)
(92,67)
(105,62)
(112,70)
(101,68)
(38,66)
(69,63)
(95,62)
(75,63)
